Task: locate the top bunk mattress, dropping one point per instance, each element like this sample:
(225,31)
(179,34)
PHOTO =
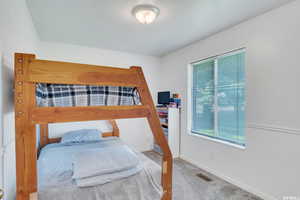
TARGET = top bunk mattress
(66,95)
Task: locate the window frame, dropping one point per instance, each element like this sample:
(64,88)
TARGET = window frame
(190,99)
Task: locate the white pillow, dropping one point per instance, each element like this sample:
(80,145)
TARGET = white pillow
(81,136)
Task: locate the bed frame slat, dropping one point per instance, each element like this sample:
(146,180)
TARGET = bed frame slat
(89,113)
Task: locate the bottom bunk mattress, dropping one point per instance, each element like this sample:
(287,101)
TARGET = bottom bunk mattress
(55,173)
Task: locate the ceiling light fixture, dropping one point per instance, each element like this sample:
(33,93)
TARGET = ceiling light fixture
(145,13)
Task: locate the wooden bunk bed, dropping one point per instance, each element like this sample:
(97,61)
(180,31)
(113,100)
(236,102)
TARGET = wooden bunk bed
(30,71)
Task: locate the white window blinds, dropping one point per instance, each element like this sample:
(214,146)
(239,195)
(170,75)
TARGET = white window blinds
(218,97)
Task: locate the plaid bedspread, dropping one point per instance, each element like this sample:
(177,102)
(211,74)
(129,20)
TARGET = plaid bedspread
(63,95)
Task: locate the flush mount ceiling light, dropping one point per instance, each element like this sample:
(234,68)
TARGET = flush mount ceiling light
(145,13)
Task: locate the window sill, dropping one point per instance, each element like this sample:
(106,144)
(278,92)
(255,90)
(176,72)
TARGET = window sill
(217,141)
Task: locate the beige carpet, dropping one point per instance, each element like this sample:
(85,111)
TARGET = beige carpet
(188,186)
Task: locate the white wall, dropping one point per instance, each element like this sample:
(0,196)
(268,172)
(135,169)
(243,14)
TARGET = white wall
(135,132)
(17,34)
(269,166)
(1,123)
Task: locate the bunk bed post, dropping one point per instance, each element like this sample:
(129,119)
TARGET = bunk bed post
(26,151)
(44,135)
(167,162)
(115,128)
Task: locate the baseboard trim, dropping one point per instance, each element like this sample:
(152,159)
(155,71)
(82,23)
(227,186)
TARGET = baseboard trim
(231,180)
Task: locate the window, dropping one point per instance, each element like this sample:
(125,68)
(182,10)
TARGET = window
(218,97)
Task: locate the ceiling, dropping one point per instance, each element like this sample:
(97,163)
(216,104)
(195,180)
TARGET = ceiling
(109,24)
